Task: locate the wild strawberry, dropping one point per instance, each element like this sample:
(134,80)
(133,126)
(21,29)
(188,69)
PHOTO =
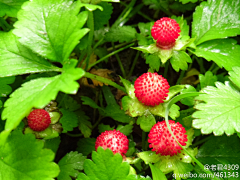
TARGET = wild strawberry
(114,140)
(162,141)
(39,120)
(151,89)
(165,31)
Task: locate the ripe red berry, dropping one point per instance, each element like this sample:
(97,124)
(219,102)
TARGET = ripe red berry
(151,89)
(165,31)
(162,141)
(114,140)
(39,120)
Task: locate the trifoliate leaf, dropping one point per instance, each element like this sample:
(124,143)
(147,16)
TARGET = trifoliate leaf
(105,166)
(23,157)
(51,28)
(224,52)
(70,165)
(235,75)
(5,89)
(221,154)
(86,146)
(218,110)
(207,80)
(69,120)
(179,60)
(154,62)
(17,59)
(37,93)
(215,20)
(101,17)
(127,129)
(121,34)
(103,127)
(85,125)
(10,8)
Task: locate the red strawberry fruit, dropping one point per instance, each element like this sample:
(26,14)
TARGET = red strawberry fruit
(114,140)
(39,120)
(162,141)
(165,31)
(151,89)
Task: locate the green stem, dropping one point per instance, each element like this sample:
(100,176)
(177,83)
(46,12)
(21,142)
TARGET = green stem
(166,69)
(133,65)
(119,45)
(180,77)
(75,135)
(4,24)
(119,62)
(90,24)
(144,135)
(200,63)
(201,141)
(110,54)
(98,121)
(104,80)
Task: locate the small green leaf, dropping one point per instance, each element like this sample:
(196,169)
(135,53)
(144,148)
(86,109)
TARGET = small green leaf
(154,62)
(127,129)
(67,102)
(157,173)
(218,110)
(187,1)
(224,52)
(70,165)
(20,159)
(52,144)
(149,157)
(146,122)
(105,165)
(51,28)
(103,127)
(10,8)
(179,60)
(69,120)
(37,94)
(5,89)
(189,101)
(91,7)
(86,146)
(121,34)
(102,17)
(17,59)
(207,80)
(85,126)
(215,20)
(88,101)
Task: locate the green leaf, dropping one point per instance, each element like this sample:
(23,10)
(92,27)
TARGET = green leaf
(223,152)
(23,157)
(149,157)
(10,8)
(157,173)
(88,101)
(146,122)
(154,62)
(85,126)
(37,94)
(189,101)
(52,144)
(207,80)
(86,146)
(183,25)
(70,165)
(69,120)
(51,28)
(218,110)
(17,59)
(121,34)
(235,75)
(67,102)
(105,166)
(103,127)
(102,17)
(216,20)
(5,89)
(179,60)
(224,52)
(187,1)
(127,129)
